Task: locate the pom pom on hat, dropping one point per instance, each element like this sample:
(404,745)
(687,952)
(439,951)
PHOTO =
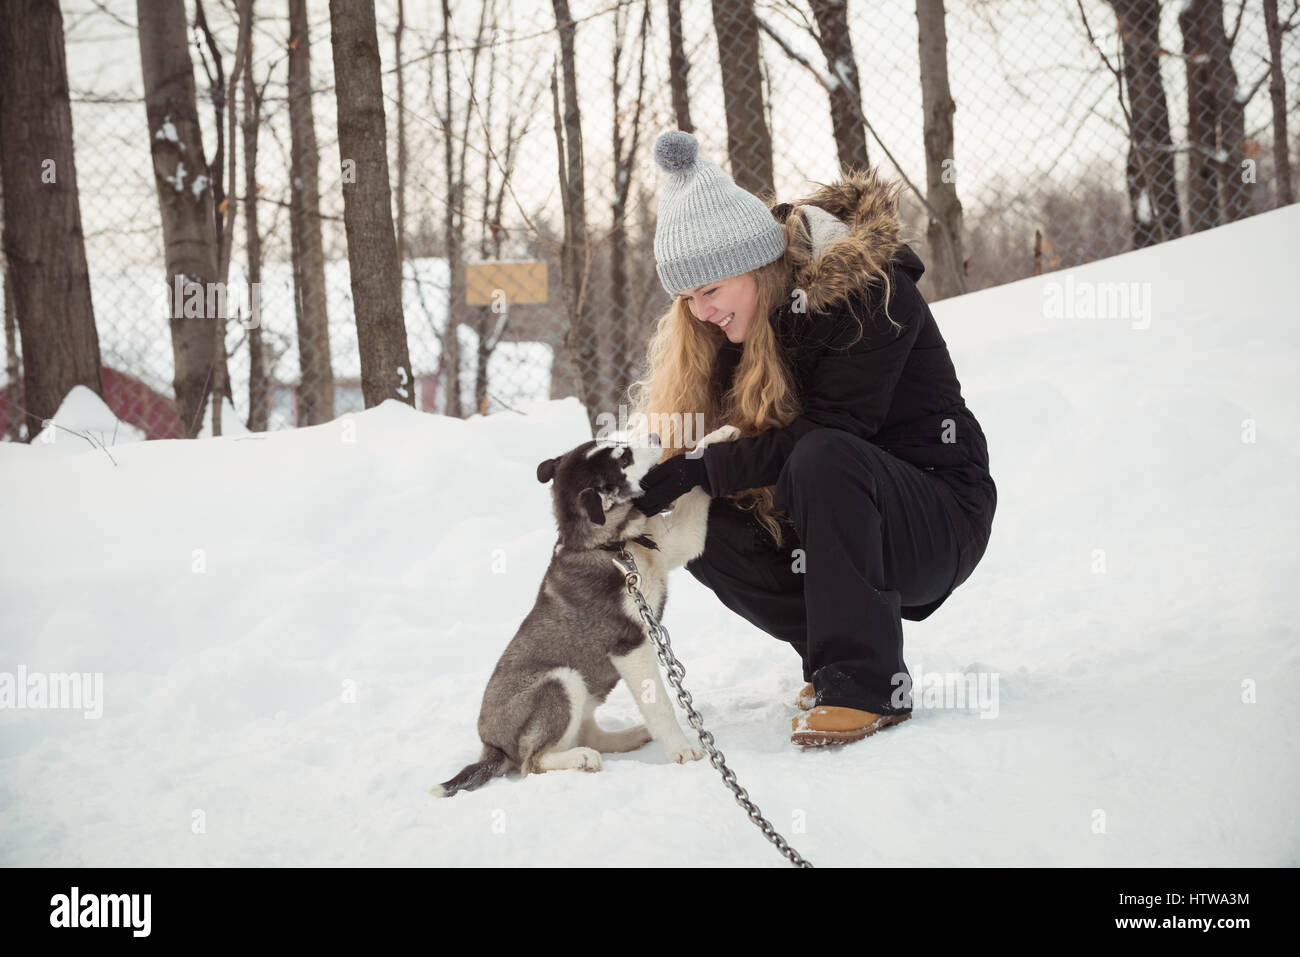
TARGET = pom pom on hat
(675,151)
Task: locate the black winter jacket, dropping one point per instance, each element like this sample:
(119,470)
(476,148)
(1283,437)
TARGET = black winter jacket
(897,390)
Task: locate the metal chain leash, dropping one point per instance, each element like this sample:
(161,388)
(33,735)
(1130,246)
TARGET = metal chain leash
(675,672)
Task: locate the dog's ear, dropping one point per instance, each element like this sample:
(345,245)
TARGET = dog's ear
(589,499)
(546,470)
(781,212)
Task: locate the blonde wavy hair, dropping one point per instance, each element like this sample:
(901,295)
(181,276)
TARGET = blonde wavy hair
(678,385)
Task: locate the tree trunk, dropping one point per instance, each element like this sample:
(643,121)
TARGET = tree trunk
(833,36)
(217,94)
(1216,116)
(1231,116)
(1202,188)
(1277,93)
(258,394)
(43,241)
(679,68)
(580,340)
(749,142)
(401,133)
(626,153)
(452,237)
(243,49)
(1153,182)
(316,390)
(944,232)
(185,199)
(483,315)
(367,205)
(494,319)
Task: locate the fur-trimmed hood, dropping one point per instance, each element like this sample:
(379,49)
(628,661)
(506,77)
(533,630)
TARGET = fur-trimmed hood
(846,235)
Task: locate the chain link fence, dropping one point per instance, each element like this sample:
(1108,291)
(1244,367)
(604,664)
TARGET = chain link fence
(1081,129)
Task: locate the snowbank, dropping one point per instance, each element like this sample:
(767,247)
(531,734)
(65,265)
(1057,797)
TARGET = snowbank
(294,630)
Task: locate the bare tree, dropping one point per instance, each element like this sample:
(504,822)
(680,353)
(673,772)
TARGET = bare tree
(47,280)
(451,235)
(216,74)
(948,260)
(679,68)
(316,390)
(367,210)
(398,32)
(258,392)
(243,45)
(490,322)
(749,142)
(1231,100)
(185,198)
(1151,176)
(626,152)
(575,263)
(454,151)
(830,30)
(1216,118)
(836,43)
(1277,95)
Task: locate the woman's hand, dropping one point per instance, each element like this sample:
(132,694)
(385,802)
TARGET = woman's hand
(664,483)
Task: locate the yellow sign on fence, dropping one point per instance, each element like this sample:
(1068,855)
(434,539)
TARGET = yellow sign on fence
(505,282)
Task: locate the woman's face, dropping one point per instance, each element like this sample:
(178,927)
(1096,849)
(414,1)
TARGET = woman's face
(729,304)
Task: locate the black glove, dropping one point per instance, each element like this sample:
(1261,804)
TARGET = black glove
(668,480)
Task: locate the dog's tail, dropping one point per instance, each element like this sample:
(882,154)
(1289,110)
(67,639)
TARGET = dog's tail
(491,763)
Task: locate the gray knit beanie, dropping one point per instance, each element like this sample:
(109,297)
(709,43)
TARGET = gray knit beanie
(709,228)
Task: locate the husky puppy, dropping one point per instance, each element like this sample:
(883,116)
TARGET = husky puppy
(584,632)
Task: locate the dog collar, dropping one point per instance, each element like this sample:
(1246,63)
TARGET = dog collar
(645,540)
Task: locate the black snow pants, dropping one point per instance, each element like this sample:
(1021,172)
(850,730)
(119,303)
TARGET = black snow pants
(869,535)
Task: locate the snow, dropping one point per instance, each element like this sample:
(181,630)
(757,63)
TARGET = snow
(83,422)
(231,423)
(1143,212)
(178,179)
(294,629)
(842,75)
(828,80)
(168,132)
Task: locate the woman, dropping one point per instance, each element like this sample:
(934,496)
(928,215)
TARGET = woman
(859,492)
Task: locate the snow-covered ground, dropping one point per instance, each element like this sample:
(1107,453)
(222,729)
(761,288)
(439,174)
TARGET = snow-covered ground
(291,632)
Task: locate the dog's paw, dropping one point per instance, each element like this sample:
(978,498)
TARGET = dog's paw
(586,759)
(726,433)
(681,753)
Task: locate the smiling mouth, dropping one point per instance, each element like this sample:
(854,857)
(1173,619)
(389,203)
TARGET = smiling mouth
(726,322)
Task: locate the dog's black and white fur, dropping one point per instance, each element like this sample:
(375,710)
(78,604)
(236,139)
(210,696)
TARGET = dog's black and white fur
(584,632)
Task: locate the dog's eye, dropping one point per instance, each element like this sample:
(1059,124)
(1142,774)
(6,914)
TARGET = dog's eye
(626,457)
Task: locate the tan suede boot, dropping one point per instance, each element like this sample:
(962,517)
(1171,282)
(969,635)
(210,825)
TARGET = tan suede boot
(832,725)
